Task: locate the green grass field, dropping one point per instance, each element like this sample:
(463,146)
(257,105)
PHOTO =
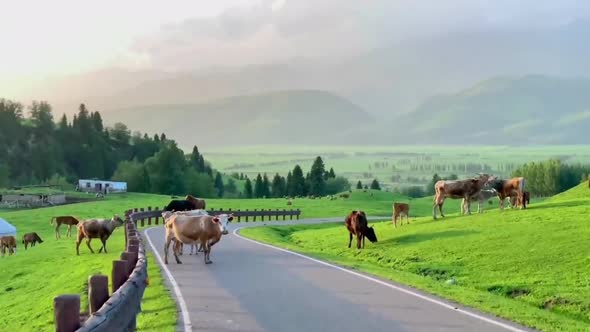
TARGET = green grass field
(30,279)
(530,266)
(409,162)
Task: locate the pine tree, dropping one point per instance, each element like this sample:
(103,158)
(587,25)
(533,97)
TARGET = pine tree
(248,188)
(317,183)
(265,186)
(359,185)
(163,137)
(278,186)
(258,187)
(219,185)
(332,174)
(298,181)
(375,185)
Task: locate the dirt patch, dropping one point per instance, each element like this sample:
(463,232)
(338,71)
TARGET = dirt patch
(555,301)
(509,291)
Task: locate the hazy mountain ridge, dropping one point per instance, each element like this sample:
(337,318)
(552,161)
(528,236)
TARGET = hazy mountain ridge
(281,117)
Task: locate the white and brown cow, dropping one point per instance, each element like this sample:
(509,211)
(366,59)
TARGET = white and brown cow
(458,189)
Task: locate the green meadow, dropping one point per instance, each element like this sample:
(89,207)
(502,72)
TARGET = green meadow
(530,266)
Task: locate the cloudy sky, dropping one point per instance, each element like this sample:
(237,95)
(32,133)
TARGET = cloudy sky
(64,37)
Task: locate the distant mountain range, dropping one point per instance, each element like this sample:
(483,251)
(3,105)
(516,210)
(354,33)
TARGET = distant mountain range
(532,109)
(283,117)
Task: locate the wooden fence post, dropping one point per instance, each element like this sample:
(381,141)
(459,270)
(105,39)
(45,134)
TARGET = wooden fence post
(277,214)
(135,210)
(298,213)
(149,218)
(239,217)
(131,260)
(284,213)
(66,311)
(119,274)
(133,248)
(142,219)
(254,214)
(247,215)
(158,216)
(98,292)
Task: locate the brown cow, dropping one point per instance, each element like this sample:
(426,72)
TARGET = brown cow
(356,223)
(206,230)
(31,238)
(509,188)
(97,228)
(458,189)
(7,242)
(400,209)
(198,203)
(66,220)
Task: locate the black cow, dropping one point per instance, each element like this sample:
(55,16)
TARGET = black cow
(179,205)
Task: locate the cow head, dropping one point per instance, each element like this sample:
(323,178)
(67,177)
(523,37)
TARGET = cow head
(371,234)
(222,220)
(117,221)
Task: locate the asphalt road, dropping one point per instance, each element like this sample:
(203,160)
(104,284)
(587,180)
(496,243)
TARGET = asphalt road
(256,287)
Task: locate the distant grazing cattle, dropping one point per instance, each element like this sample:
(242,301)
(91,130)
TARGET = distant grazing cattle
(199,204)
(7,242)
(509,188)
(204,229)
(65,220)
(31,238)
(481,197)
(345,196)
(455,189)
(399,210)
(289,202)
(97,228)
(356,223)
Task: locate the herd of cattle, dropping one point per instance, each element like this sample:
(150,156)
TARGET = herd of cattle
(187,221)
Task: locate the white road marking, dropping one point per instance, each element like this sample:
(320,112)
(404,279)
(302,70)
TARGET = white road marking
(423,297)
(183,309)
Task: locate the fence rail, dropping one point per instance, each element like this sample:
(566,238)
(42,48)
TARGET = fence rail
(143,216)
(119,311)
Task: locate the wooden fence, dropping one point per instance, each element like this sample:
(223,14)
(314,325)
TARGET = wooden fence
(119,311)
(143,217)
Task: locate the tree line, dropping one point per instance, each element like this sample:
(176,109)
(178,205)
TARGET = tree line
(550,177)
(317,182)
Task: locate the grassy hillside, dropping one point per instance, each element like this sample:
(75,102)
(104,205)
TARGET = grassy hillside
(540,109)
(282,117)
(30,279)
(529,266)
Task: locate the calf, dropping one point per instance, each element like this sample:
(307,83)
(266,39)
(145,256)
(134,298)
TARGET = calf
(205,229)
(97,228)
(481,197)
(456,189)
(400,209)
(66,220)
(514,199)
(356,223)
(7,242)
(31,238)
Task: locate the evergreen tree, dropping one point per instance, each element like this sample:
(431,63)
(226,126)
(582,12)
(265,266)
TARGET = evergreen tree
(230,187)
(163,137)
(219,185)
(278,186)
(258,187)
(317,183)
(266,186)
(331,174)
(298,181)
(289,185)
(430,187)
(375,185)
(359,185)
(248,189)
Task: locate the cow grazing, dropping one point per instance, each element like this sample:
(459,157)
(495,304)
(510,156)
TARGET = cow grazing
(456,189)
(31,238)
(66,220)
(7,242)
(97,228)
(199,204)
(399,210)
(357,224)
(509,188)
(481,197)
(204,229)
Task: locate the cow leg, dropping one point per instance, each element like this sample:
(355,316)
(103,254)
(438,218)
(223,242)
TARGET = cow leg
(207,249)
(407,218)
(88,244)
(69,231)
(57,235)
(395,221)
(363,242)
(104,244)
(166,246)
(80,237)
(358,240)
(349,239)
(441,211)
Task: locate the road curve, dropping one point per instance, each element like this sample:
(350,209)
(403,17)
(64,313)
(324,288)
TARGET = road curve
(255,287)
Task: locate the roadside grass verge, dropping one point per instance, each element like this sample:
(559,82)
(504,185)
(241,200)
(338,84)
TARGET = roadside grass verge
(529,266)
